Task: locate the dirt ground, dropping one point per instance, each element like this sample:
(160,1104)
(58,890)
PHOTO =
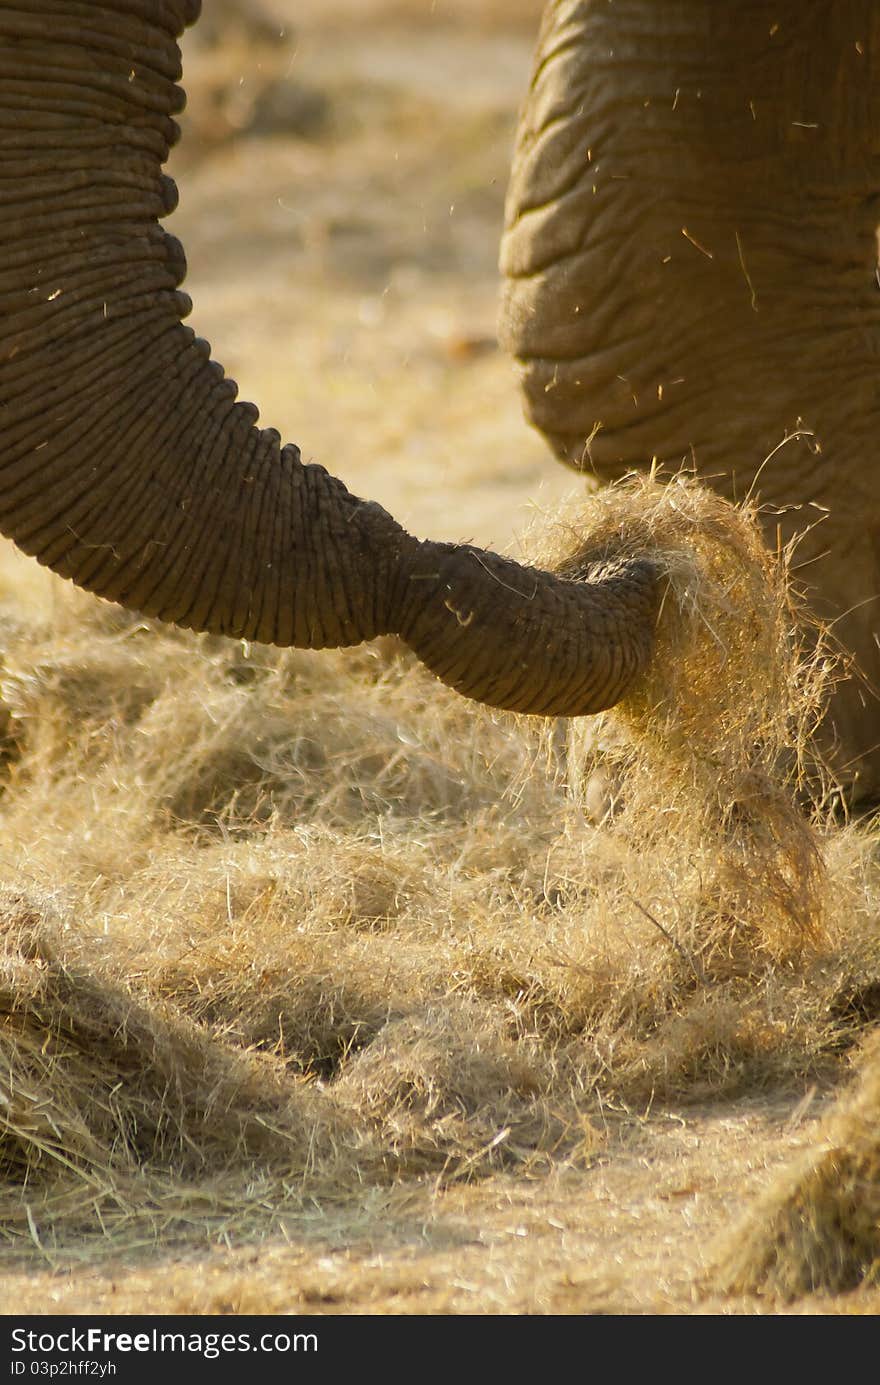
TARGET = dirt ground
(342,177)
(634,1235)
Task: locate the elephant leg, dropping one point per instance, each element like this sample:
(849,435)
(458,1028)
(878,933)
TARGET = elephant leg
(691,275)
(848,604)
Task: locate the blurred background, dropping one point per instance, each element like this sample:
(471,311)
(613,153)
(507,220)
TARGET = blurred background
(342,177)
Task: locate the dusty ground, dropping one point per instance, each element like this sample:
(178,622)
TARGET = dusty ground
(633,1235)
(341,187)
(347,278)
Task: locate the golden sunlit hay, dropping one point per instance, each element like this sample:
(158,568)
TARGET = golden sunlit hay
(450,1090)
(289,938)
(308,922)
(111,1110)
(710,752)
(818,1228)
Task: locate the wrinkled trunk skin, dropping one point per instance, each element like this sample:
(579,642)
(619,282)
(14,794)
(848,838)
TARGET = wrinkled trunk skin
(691,264)
(126,463)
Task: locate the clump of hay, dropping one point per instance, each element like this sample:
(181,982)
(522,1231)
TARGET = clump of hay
(710,755)
(297,966)
(818,1228)
(109,1102)
(449,1089)
(226,736)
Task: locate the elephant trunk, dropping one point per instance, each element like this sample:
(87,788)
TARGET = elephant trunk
(531,641)
(126,463)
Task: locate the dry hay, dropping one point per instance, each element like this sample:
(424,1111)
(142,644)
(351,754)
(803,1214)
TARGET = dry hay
(817,1230)
(113,1111)
(283,933)
(448,1083)
(712,754)
(286,929)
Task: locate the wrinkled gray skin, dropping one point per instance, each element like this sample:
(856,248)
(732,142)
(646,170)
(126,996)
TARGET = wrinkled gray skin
(126,463)
(691,273)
